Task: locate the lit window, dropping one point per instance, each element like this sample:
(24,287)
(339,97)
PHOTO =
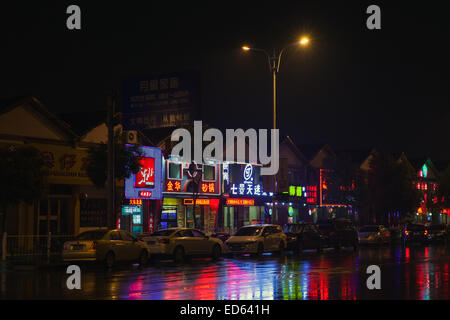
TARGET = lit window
(174,170)
(209,173)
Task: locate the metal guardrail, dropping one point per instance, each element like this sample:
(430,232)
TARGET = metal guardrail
(33,245)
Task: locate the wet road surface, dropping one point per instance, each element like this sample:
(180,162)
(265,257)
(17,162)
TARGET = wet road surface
(414,272)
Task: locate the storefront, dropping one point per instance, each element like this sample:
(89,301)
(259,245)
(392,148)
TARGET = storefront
(143,193)
(244,200)
(191,195)
(65,208)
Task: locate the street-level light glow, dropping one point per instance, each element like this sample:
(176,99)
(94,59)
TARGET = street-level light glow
(304,41)
(245,48)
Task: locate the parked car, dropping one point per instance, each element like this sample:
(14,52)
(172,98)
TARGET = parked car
(301,236)
(396,235)
(438,233)
(415,233)
(179,243)
(257,239)
(223,236)
(339,233)
(374,234)
(108,246)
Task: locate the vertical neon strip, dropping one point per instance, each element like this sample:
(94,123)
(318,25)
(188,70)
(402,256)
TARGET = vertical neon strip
(320,186)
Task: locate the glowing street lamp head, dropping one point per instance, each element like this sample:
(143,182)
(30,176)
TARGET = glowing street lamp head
(246,48)
(304,41)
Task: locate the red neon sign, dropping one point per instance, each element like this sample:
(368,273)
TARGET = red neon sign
(208,187)
(145,194)
(145,178)
(240,202)
(200,202)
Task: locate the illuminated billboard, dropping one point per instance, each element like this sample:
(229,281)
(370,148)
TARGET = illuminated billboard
(179,181)
(147,183)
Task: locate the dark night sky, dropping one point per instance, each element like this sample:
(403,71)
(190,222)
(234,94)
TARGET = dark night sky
(352,88)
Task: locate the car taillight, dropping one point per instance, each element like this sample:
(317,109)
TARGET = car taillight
(164,241)
(93,246)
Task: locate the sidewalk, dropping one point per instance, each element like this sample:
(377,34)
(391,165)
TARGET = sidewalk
(30,263)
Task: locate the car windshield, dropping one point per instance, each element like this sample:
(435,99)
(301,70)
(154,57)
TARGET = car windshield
(292,228)
(249,231)
(369,229)
(92,235)
(415,227)
(162,233)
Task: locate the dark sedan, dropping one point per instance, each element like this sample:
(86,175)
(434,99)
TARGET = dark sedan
(415,233)
(339,233)
(304,236)
(438,233)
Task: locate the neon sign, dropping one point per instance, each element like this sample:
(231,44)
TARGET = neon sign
(240,202)
(243,180)
(297,191)
(198,202)
(145,178)
(192,178)
(225,173)
(424,171)
(135,202)
(145,194)
(208,187)
(248,172)
(147,183)
(130,210)
(172,186)
(311,192)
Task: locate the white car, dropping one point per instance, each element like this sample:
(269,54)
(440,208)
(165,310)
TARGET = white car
(178,243)
(374,234)
(257,239)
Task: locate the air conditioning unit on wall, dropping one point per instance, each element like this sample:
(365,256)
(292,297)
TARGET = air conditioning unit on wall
(132,137)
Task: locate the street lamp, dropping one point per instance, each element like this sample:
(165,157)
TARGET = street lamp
(274,65)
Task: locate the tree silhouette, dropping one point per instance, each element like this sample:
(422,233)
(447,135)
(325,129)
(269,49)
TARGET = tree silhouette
(126,161)
(22,178)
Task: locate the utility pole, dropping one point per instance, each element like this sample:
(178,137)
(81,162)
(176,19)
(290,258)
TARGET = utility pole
(275,68)
(110,218)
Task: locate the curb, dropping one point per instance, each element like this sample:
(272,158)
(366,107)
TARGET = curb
(10,266)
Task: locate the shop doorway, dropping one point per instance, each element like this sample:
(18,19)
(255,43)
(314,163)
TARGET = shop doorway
(169,217)
(53,215)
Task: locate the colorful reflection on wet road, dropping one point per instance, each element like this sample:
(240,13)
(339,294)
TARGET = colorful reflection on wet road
(407,273)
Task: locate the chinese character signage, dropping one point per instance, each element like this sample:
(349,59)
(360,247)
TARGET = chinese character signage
(198,202)
(240,202)
(311,194)
(160,101)
(147,183)
(65,165)
(244,180)
(145,178)
(206,179)
(130,210)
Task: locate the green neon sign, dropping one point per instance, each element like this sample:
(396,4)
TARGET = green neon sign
(292,190)
(425,170)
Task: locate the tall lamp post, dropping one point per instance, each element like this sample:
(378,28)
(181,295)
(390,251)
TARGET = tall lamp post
(274,65)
